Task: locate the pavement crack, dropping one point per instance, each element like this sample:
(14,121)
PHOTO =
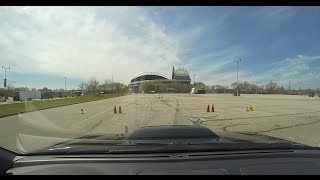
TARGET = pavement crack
(266,131)
(98,124)
(278,115)
(234,125)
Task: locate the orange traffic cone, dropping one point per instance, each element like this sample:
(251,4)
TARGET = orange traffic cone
(208,108)
(120,111)
(212,108)
(115,109)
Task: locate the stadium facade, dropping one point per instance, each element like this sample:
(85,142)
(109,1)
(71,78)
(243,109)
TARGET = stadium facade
(180,76)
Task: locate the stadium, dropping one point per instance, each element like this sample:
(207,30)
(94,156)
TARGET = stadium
(180,77)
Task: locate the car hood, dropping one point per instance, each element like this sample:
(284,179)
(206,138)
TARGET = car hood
(169,139)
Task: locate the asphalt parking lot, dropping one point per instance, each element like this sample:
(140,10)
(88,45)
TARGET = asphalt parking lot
(294,118)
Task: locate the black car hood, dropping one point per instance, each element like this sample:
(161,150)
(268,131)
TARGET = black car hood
(167,135)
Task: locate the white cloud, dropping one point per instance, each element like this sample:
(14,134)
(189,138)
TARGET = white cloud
(297,69)
(291,67)
(189,37)
(217,66)
(277,13)
(124,41)
(83,42)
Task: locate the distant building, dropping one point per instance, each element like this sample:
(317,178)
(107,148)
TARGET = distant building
(179,76)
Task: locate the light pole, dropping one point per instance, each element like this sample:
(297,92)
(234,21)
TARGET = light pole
(194,78)
(299,82)
(237,61)
(256,86)
(5,75)
(112,84)
(65,83)
(316,73)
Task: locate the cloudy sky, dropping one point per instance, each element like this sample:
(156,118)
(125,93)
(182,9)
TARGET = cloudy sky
(44,44)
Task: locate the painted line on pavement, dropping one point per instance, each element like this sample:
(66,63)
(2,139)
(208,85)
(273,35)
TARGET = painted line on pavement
(92,116)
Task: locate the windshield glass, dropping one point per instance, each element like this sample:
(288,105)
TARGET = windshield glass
(110,79)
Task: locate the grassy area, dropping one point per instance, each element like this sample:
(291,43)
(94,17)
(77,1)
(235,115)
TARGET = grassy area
(6,109)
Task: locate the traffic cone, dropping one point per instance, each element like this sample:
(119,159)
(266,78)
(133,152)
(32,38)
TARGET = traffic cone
(208,108)
(120,111)
(212,108)
(115,109)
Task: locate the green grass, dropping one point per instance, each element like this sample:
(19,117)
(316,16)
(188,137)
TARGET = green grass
(21,107)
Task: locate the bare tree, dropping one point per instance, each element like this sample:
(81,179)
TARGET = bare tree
(272,87)
(102,87)
(107,84)
(107,81)
(83,86)
(93,85)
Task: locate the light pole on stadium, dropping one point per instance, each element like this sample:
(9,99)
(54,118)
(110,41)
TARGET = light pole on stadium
(237,61)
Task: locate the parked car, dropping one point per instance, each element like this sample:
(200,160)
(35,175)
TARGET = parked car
(3,99)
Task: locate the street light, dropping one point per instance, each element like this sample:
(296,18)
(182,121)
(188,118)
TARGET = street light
(194,78)
(256,86)
(299,82)
(237,61)
(65,83)
(112,83)
(5,75)
(316,73)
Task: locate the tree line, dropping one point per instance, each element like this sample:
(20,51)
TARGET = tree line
(244,88)
(269,88)
(93,86)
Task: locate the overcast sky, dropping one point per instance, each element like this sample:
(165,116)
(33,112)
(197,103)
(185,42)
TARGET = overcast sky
(44,44)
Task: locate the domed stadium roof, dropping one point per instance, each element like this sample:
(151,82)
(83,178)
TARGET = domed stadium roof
(148,76)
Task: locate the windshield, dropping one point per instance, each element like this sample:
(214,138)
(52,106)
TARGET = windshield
(128,79)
